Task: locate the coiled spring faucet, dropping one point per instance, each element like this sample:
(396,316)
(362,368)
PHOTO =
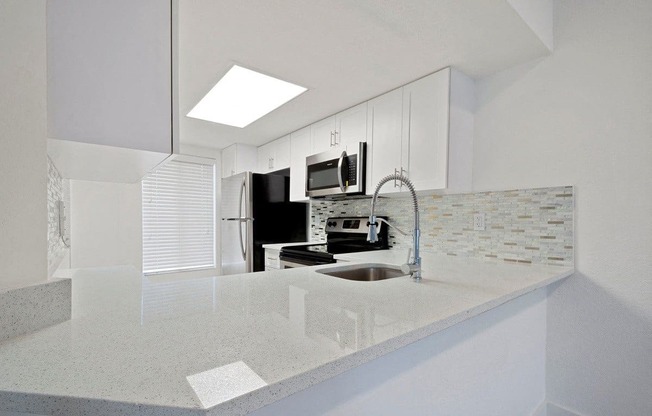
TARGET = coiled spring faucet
(412,267)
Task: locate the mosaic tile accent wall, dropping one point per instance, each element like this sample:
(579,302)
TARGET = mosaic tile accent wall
(524,226)
(58,190)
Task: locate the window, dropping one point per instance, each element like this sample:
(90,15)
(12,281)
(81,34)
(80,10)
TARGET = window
(179,216)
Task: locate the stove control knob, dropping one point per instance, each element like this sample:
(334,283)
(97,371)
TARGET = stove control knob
(331,223)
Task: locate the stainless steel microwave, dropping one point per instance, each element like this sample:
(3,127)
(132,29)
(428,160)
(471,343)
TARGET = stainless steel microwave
(337,172)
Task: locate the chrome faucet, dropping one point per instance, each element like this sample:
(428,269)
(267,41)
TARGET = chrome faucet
(412,267)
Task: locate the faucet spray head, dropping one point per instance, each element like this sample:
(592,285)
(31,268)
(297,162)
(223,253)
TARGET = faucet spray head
(372,235)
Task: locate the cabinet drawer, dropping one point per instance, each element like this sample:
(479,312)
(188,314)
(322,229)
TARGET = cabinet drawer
(272,259)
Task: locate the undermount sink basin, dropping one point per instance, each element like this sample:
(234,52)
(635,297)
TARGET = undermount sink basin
(364,272)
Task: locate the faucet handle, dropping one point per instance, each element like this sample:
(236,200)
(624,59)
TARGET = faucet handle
(412,269)
(407,267)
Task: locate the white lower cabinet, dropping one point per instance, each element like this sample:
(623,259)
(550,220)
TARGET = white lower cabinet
(272,261)
(425,131)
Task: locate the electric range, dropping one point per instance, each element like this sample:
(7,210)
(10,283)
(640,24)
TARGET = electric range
(343,235)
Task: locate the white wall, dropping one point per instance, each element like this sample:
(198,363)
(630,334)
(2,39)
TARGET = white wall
(105,224)
(583,116)
(538,14)
(106,220)
(23,153)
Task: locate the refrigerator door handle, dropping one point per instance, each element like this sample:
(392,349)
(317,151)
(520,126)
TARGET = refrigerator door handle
(243,249)
(243,219)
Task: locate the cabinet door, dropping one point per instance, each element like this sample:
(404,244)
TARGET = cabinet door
(300,148)
(265,158)
(246,158)
(322,135)
(427,154)
(109,73)
(386,113)
(281,157)
(351,125)
(228,161)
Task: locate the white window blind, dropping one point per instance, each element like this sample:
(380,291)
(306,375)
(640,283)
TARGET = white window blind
(179,217)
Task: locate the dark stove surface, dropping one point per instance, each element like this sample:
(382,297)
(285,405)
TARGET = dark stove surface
(344,235)
(310,254)
(308,248)
(319,248)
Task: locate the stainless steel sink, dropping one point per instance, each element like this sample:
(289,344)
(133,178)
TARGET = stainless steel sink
(364,272)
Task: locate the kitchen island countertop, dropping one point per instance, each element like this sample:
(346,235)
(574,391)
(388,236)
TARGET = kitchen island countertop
(232,344)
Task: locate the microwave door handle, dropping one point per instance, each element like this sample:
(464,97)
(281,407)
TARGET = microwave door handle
(342,165)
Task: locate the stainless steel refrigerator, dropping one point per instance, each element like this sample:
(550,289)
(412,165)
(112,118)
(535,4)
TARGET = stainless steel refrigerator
(256,210)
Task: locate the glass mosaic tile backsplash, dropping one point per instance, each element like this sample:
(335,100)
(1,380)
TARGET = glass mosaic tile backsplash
(58,190)
(526,225)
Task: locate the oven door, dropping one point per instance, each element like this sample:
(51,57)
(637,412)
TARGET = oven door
(292,264)
(336,172)
(299,259)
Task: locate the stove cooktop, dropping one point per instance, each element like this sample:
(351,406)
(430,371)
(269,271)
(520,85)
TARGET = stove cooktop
(343,235)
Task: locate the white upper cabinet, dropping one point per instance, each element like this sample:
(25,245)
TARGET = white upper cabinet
(425,126)
(274,155)
(282,153)
(300,149)
(238,158)
(346,127)
(265,158)
(351,125)
(384,150)
(322,135)
(110,77)
(425,131)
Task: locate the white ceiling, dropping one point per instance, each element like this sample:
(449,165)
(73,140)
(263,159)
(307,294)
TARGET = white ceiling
(344,51)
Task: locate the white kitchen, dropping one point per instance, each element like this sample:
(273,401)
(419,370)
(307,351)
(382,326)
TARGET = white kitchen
(447,213)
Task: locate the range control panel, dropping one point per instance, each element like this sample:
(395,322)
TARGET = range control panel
(352,225)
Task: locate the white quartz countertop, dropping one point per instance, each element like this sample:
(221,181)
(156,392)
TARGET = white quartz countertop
(231,344)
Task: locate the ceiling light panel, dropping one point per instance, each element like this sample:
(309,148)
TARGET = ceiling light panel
(243,96)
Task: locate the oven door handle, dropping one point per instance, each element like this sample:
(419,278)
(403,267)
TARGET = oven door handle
(343,165)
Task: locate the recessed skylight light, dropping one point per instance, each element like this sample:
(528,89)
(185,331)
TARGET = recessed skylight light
(243,96)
